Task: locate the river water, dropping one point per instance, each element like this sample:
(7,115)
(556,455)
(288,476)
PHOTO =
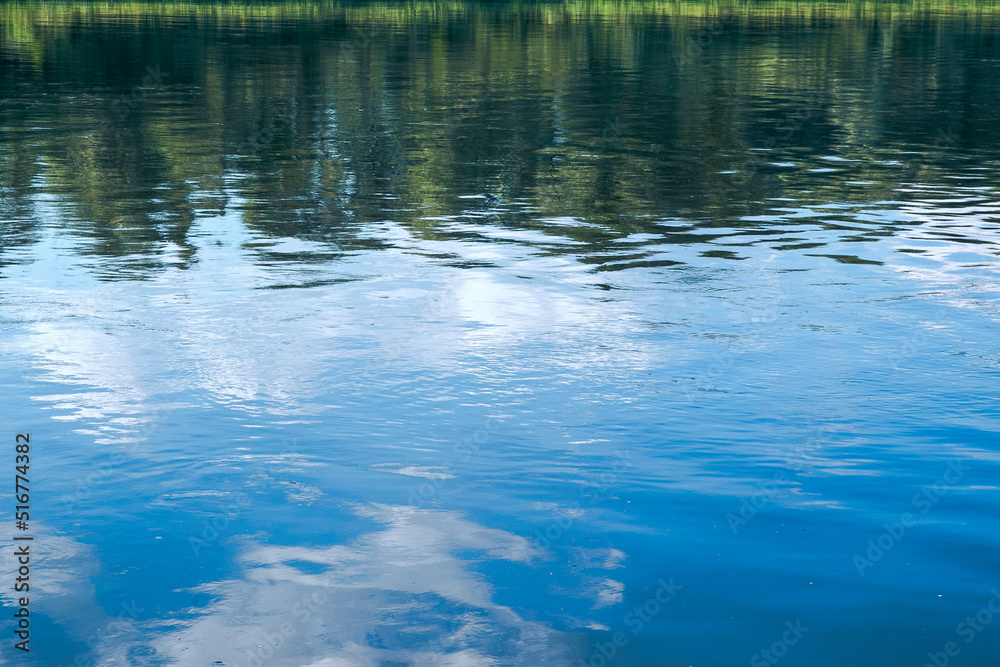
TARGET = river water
(460,334)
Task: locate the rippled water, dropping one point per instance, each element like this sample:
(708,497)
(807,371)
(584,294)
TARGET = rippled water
(503,334)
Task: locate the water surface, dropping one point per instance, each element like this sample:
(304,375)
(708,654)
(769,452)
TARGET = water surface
(456,333)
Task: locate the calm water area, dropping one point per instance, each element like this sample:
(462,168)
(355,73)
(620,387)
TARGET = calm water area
(461,334)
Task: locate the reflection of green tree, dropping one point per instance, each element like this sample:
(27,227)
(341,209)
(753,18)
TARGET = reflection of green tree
(18,168)
(319,118)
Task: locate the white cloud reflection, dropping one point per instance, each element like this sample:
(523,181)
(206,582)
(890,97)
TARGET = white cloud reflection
(407,594)
(62,587)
